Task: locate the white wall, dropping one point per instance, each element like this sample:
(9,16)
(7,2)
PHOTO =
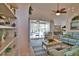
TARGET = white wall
(60,20)
(64,20)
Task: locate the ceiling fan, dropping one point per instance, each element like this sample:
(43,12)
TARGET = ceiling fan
(59,11)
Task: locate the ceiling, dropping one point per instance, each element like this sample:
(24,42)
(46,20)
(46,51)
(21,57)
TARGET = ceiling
(43,11)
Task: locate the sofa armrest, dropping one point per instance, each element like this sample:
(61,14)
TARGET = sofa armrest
(54,52)
(70,53)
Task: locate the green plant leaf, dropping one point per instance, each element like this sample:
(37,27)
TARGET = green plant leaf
(8,50)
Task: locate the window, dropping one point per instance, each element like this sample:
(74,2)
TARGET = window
(38,28)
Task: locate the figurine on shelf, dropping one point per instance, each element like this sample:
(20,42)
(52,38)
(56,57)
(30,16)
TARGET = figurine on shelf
(13,25)
(3,37)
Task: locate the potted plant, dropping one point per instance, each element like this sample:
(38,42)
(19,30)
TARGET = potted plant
(8,50)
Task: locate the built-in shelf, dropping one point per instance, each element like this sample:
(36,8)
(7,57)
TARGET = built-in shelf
(6,27)
(11,52)
(6,11)
(7,38)
(5,45)
(75,21)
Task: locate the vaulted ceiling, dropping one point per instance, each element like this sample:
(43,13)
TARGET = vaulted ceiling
(43,11)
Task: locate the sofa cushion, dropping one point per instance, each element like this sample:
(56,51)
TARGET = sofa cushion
(67,36)
(54,52)
(71,52)
(76,53)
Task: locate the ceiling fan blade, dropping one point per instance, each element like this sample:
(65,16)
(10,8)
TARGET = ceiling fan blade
(62,9)
(63,12)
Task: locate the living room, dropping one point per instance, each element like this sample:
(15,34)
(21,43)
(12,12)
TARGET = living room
(54,29)
(39,29)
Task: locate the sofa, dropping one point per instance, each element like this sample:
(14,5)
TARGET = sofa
(74,51)
(71,38)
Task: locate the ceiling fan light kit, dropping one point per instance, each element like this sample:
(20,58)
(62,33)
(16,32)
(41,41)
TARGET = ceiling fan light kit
(57,14)
(59,11)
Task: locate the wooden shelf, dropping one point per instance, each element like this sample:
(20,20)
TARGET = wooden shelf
(12,52)
(6,11)
(6,27)
(2,49)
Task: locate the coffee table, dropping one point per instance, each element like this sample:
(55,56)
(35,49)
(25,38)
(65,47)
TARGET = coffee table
(57,50)
(46,44)
(57,46)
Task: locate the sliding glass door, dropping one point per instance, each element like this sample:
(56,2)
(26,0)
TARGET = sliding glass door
(38,28)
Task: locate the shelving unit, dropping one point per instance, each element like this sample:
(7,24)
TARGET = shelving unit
(6,10)
(75,25)
(7,31)
(6,45)
(7,27)
(12,52)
